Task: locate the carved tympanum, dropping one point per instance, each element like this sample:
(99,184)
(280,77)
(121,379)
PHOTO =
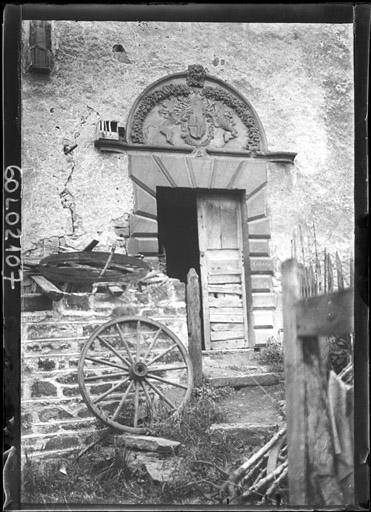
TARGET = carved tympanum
(196,110)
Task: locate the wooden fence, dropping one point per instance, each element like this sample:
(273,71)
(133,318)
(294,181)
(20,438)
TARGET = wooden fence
(309,318)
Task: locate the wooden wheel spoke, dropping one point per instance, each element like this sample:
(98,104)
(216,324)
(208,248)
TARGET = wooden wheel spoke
(162,354)
(150,376)
(161,395)
(138,341)
(105,376)
(109,391)
(102,361)
(168,368)
(136,404)
(124,342)
(112,349)
(152,344)
(122,401)
(148,398)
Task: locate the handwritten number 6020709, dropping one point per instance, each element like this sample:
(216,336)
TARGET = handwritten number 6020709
(12,230)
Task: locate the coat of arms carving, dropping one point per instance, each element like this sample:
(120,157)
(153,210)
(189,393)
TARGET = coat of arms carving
(195,111)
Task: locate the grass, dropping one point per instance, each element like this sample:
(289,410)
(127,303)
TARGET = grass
(205,461)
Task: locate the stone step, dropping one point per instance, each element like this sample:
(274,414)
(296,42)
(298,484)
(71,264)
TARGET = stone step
(147,443)
(251,433)
(239,381)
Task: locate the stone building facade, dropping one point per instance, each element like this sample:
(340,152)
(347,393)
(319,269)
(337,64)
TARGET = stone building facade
(139,126)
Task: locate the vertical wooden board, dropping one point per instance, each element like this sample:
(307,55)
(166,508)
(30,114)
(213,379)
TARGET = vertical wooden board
(229,223)
(202,242)
(294,388)
(194,325)
(144,169)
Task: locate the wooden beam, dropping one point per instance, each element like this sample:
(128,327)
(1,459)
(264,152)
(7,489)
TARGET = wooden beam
(194,325)
(48,288)
(294,387)
(325,315)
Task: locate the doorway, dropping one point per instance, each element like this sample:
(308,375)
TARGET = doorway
(202,229)
(177,230)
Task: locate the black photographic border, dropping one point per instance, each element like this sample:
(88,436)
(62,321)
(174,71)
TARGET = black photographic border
(345,12)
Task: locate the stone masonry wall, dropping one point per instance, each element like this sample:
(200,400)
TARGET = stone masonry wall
(54,417)
(298,78)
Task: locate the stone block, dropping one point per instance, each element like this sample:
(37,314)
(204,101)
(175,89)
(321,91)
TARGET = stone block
(254,434)
(262,336)
(263,318)
(260,228)
(77,301)
(61,442)
(259,247)
(148,443)
(54,330)
(54,414)
(43,388)
(238,381)
(261,265)
(264,300)
(261,283)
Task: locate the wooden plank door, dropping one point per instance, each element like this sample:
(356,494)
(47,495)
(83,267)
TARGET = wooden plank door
(222,270)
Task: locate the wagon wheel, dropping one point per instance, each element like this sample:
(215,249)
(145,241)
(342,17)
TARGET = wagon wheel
(131,369)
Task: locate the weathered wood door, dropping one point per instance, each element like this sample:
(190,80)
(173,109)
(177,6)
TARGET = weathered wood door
(222,270)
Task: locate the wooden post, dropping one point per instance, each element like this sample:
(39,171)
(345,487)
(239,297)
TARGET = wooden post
(294,384)
(322,484)
(194,325)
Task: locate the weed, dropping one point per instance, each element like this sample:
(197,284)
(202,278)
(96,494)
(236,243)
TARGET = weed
(205,458)
(272,355)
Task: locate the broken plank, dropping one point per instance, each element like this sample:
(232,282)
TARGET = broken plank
(225,311)
(48,288)
(234,289)
(227,326)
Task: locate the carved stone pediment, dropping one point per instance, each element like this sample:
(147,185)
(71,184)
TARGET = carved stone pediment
(193,109)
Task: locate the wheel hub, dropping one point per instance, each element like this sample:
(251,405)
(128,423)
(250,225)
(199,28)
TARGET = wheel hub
(139,370)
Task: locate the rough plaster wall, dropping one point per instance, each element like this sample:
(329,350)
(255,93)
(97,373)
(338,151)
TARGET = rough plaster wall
(297,77)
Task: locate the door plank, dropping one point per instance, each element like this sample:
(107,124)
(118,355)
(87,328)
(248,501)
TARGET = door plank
(226,289)
(225,279)
(226,326)
(226,335)
(222,269)
(219,318)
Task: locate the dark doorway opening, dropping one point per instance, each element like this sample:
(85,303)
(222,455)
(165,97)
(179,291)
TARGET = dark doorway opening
(177,230)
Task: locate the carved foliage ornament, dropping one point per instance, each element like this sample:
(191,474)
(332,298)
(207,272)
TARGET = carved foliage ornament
(192,112)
